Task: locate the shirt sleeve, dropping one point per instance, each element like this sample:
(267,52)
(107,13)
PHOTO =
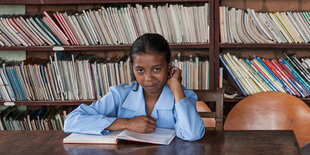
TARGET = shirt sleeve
(94,118)
(189,125)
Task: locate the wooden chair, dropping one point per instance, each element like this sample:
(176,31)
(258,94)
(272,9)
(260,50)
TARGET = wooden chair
(271,111)
(212,120)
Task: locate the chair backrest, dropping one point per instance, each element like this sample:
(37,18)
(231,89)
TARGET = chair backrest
(271,111)
(211,96)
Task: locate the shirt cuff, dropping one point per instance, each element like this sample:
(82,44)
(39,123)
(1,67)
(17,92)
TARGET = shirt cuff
(108,122)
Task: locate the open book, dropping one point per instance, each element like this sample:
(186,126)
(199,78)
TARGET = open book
(160,136)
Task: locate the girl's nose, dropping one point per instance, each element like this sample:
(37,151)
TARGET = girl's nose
(149,76)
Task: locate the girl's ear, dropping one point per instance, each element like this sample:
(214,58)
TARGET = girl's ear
(169,68)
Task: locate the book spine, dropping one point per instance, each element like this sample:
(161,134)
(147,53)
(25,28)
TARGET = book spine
(297,67)
(275,80)
(294,72)
(233,76)
(279,81)
(283,81)
(259,81)
(295,75)
(261,74)
(289,77)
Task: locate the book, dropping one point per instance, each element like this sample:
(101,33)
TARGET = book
(160,136)
(233,76)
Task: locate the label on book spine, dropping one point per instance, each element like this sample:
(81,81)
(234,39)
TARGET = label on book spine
(58,48)
(9,103)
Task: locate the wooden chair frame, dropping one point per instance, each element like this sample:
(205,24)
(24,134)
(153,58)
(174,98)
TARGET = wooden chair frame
(216,96)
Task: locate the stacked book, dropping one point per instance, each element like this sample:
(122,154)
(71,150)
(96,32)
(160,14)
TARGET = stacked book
(289,75)
(108,26)
(248,26)
(81,77)
(195,71)
(41,119)
(63,77)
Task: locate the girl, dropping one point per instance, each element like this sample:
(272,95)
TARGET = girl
(155,99)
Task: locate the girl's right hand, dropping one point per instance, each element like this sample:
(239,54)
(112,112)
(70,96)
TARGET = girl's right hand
(142,124)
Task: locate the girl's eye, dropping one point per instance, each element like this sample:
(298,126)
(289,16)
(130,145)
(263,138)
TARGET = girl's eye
(156,69)
(140,70)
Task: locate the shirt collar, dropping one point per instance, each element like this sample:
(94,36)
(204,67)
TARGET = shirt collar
(165,100)
(135,100)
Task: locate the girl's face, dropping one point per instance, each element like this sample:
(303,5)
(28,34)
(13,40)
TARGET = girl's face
(151,71)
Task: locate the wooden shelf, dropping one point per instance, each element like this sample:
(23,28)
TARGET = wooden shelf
(46,103)
(96,47)
(25,2)
(256,45)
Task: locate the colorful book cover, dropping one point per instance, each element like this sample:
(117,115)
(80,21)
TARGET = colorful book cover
(295,74)
(233,76)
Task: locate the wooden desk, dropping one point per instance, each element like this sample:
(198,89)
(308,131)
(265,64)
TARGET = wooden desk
(214,142)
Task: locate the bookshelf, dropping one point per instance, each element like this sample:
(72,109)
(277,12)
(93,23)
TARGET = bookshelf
(264,50)
(264,46)
(98,47)
(212,49)
(61,2)
(45,103)
(36,7)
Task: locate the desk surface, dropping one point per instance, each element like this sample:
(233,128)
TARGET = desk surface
(214,142)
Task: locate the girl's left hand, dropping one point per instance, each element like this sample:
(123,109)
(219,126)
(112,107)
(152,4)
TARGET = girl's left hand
(174,76)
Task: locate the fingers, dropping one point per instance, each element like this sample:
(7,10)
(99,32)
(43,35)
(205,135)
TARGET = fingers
(151,125)
(142,124)
(152,120)
(176,73)
(176,70)
(151,128)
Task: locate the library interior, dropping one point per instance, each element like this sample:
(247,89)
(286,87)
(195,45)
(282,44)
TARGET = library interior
(248,62)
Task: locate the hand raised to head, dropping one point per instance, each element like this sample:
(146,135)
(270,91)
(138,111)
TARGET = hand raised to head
(175,75)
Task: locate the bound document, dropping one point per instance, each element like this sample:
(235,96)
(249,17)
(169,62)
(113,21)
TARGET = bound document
(160,136)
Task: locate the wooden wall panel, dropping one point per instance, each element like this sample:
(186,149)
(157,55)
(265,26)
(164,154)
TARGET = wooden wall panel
(233,3)
(38,9)
(257,5)
(32,9)
(305,5)
(269,5)
(38,54)
(54,8)
(86,7)
(282,5)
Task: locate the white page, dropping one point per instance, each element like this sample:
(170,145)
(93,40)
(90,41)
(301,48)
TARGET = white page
(110,138)
(160,136)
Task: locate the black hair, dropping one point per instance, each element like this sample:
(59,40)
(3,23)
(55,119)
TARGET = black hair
(150,42)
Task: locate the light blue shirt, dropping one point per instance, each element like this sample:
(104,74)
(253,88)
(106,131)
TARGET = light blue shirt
(124,102)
